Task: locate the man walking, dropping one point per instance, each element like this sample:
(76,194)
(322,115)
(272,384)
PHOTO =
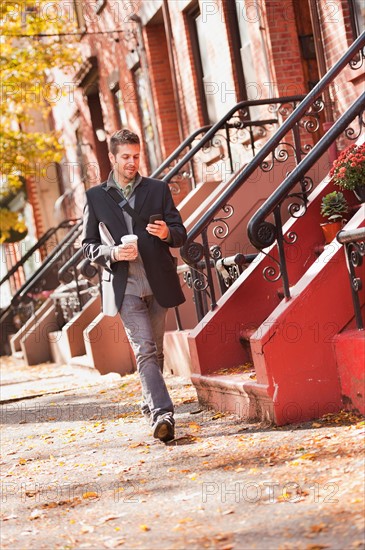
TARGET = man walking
(141,282)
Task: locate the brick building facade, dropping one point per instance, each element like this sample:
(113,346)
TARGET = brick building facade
(166,67)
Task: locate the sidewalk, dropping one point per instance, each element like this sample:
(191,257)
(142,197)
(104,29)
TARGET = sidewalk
(80,469)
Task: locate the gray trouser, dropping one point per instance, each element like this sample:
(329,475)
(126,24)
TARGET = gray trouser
(144,323)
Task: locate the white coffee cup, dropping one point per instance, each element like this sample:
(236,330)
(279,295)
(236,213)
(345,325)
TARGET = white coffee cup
(130,240)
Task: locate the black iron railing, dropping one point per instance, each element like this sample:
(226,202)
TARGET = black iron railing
(40,245)
(78,274)
(290,140)
(354,247)
(227,270)
(263,233)
(234,128)
(176,155)
(44,278)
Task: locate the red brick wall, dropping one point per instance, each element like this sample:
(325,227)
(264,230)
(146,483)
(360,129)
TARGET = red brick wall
(337,37)
(286,56)
(162,88)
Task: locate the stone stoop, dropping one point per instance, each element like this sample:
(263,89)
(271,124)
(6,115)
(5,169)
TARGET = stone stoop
(349,349)
(176,352)
(235,393)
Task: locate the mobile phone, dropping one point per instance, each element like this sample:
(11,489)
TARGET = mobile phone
(155,217)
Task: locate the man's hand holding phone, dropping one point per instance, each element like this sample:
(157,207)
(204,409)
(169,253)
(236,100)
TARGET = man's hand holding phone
(157,227)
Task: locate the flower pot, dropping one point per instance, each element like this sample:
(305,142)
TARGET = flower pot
(359,193)
(330,230)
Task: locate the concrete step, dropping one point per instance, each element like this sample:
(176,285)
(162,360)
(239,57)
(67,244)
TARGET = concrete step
(82,361)
(18,355)
(236,393)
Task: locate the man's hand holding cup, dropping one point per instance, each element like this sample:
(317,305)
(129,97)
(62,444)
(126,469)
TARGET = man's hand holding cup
(128,250)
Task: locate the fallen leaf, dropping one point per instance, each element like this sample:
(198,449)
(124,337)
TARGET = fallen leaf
(90,494)
(87,529)
(308,456)
(144,527)
(218,415)
(185,520)
(109,518)
(193,426)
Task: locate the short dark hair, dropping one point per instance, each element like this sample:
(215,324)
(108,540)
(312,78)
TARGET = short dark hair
(121,138)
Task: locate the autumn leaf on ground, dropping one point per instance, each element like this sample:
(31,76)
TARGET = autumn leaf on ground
(218,415)
(144,527)
(193,426)
(90,494)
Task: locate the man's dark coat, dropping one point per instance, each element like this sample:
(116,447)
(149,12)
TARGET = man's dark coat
(151,197)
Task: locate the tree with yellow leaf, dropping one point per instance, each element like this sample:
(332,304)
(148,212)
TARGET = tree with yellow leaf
(33,41)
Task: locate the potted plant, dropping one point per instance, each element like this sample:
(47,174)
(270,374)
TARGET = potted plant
(333,206)
(348,171)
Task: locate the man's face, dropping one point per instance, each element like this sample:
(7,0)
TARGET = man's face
(126,162)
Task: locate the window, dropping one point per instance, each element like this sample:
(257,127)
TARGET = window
(357,15)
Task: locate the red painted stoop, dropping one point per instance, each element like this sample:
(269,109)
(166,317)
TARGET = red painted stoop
(349,348)
(295,355)
(296,376)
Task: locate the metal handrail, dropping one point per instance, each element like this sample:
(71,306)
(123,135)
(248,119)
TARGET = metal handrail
(220,124)
(274,141)
(43,239)
(354,248)
(72,235)
(64,276)
(258,226)
(50,260)
(174,155)
(351,235)
(192,251)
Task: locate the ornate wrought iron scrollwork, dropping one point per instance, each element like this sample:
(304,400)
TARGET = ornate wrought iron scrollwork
(221,231)
(297,208)
(290,238)
(281,154)
(195,279)
(188,278)
(200,283)
(283,109)
(192,252)
(234,272)
(88,269)
(358,60)
(272,273)
(356,252)
(351,133)
(215,252)
(265,235)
